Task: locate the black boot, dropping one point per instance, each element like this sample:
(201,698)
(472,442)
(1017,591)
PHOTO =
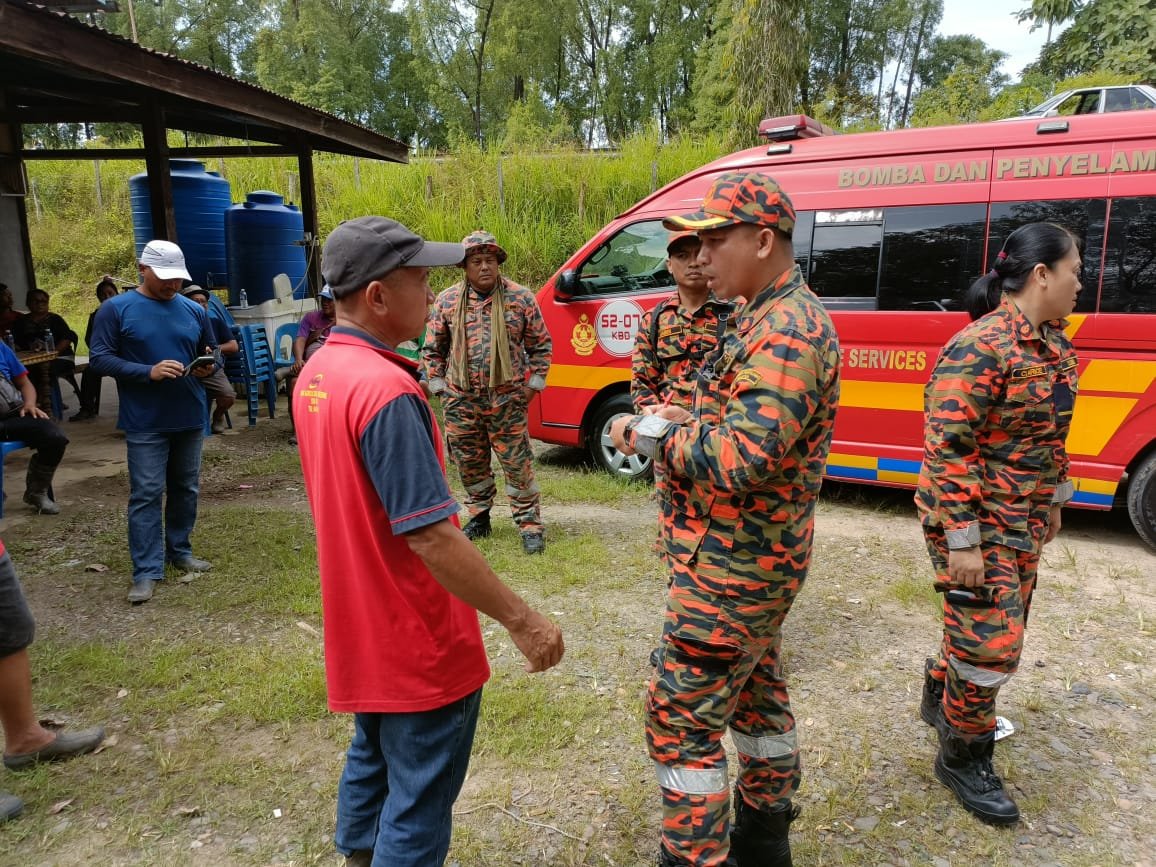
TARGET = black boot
(478,527)
(932,694)
(966,769)
(38,484)
(759,839)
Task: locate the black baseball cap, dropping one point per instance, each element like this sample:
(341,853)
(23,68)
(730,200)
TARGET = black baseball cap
(366,249)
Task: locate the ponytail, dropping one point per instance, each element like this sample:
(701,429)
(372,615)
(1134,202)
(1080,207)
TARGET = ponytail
(1026,247)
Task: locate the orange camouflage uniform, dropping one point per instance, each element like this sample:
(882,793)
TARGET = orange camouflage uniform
(744,476)
(669,364)
(998,408)
(479,418)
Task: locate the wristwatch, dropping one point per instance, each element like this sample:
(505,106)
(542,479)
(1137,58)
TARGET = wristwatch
(966,536)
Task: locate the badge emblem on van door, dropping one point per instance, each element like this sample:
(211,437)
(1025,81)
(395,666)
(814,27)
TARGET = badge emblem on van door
(583,338)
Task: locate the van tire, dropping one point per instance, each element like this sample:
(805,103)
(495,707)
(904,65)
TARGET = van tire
(1142,499)
(605,455)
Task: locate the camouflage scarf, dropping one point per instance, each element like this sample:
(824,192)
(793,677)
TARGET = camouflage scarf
(501,369)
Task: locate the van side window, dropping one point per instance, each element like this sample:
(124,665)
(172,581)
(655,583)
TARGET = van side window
(801,240)
(845,251)
(1085,218)
(931,254)
(634,260)
(1130,266)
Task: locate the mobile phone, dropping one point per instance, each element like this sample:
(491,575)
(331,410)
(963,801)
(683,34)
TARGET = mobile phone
(202,361)
(967,599)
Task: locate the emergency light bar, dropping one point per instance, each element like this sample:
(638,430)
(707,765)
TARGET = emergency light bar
(792,126)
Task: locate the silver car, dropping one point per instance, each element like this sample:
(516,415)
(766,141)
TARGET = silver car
(1095,100)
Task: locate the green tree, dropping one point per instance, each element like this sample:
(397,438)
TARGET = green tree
(967,91)
(1117,36)
(219,34)
(353,58)
(1049,12)
(753,65)
(847,45)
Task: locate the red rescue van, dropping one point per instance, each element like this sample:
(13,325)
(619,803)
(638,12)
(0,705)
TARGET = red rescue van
(892,228)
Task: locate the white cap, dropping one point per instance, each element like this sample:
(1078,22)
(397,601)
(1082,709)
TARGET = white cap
(166,260)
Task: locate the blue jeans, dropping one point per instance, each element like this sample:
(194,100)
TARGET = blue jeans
(402,774)
(157,461)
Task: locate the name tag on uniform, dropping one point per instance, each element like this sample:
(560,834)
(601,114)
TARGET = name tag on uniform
(1069,363)
(1028,372)
(670,331)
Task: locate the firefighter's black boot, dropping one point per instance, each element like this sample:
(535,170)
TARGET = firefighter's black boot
(932,694)
(478,527)
(966,769)
(759,839)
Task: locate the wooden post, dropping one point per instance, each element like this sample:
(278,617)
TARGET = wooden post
(581,203)
(309,218)
(357,173)
(501,189)
(35,200)
(160,180)
(428,189)
(291,178)
(654,176)
(99,195)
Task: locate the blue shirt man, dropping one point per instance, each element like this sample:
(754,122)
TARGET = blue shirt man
(146,339)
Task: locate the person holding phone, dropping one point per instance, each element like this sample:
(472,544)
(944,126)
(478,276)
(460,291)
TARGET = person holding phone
(145,339)
(998,408)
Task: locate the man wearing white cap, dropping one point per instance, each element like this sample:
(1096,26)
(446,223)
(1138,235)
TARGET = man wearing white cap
(148,340)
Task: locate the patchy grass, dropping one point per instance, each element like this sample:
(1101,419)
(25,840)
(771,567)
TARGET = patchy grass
(213,693)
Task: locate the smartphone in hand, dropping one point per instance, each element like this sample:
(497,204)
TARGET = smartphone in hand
(197,363)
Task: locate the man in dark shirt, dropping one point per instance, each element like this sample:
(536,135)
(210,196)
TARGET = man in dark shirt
(147,339)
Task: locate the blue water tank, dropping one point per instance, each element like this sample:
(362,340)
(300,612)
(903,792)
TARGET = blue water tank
(263,239)
(200,199)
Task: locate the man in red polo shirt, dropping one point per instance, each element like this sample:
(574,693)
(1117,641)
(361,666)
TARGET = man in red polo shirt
(400,584)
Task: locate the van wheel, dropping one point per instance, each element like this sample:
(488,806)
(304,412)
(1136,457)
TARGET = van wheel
(603,451)
(1142,499)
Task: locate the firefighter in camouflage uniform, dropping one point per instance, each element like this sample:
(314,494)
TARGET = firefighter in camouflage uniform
(744,470)
(487,352)
(674,339)
(994,478)
(678,333)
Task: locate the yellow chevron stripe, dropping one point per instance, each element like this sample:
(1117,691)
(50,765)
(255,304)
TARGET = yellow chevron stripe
(1075,322)
(591,378)
(906,396)
(1133,377)
(1094,422)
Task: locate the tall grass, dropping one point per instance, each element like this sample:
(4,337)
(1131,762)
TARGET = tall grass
(549,203)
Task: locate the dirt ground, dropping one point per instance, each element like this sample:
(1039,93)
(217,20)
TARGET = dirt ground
(1082,763)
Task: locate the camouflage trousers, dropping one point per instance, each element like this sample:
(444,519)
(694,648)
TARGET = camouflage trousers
(982,640)
(720,667)
(477,424)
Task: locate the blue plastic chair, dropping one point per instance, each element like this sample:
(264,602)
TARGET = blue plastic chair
(282,349)
(252,369)
(5,448)
(237,371)
(260,363)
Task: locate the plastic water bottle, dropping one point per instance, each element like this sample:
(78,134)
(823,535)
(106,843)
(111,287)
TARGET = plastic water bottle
(49,341)
(243,298)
